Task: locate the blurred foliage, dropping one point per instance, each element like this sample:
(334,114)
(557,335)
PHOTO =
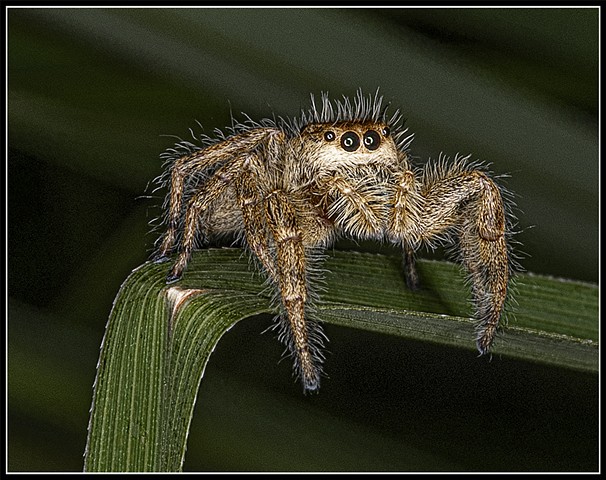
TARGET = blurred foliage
(91,94)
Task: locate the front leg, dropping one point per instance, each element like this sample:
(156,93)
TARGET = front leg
(410,269)
(484,252)
(302,338)
(467,203)
(404,226)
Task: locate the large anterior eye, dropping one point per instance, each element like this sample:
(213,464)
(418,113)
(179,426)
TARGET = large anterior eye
(350,141)
(372,140)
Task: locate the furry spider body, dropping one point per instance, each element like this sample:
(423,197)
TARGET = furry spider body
(290,188)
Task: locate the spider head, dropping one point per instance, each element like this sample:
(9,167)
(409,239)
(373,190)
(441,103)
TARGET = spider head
(332,145)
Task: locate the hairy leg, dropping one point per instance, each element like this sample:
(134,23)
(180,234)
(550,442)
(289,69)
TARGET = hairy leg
(469,203)
(253,216)
(189,166)
(196,207)
(410,269)
(484,253)
(404,223)
(304,339)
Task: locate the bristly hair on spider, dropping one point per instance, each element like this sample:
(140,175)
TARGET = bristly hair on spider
(288,188)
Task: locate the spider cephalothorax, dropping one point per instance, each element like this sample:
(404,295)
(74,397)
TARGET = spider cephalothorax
(290,188)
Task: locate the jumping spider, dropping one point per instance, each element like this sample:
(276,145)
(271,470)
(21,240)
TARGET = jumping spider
(290,188)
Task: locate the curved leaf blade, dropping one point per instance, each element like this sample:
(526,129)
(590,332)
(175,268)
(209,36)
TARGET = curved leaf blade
(159,338)
(156,346)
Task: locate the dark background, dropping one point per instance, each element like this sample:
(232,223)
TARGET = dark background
(92,94)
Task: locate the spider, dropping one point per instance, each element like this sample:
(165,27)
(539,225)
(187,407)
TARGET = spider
(289,188)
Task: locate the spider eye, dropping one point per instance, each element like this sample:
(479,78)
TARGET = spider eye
(329,136)
(386,131)
(372,140)
(350,141)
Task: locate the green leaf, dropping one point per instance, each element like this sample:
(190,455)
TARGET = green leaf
(159,337)
(155,349)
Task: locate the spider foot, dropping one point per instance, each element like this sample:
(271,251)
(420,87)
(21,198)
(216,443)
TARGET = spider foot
(481,348)
(311,382)
(160,258)
(173,277)
(410,270)
(412,282)
(485,339)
